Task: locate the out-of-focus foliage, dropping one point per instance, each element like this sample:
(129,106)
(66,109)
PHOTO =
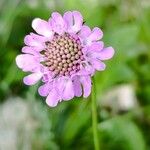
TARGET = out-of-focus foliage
(126,26)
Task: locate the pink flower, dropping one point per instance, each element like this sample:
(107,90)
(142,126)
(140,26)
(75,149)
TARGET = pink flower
(64,54)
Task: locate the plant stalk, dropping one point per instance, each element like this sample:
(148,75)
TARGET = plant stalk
(94,117)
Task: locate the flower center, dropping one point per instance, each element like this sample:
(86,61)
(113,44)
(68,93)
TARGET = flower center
(63,55)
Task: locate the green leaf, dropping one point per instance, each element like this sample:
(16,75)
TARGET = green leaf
(121,133)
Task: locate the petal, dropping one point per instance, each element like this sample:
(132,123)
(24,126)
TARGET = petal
(77,87)
(68,92)
(42,27)
(47,77)
(96,46)
(86,68)
(60,85)
(87,36)
(57,23)
(74,21)
(85,32)
(53,98)
(34,40)
(96,34)
(30,50)
(86,83)
(94,50)
(27,62)
(45,89)
(98,65)
(68,18)
(32,78)
(77,20)
(106,53)
(83,71)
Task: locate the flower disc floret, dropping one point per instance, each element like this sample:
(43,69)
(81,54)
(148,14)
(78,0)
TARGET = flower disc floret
(63,55)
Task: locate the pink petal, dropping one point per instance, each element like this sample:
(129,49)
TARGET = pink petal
(98,65)
(53,98)
(47,76)
(85,32)
(96,46)
(78,20)
(77,87)
(30,50)
(27,62)
(42,27)
(57,23)
(93,51)
(45,89)
(86,68)
(68,92)
(87,36)
(34,40)
(96,34)
(74,21)
(60,84)
(83,71)
(86,83)
(68,18)
(106,53)
(32,78)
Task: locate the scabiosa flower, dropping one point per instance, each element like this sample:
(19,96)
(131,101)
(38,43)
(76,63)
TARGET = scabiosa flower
(63,54)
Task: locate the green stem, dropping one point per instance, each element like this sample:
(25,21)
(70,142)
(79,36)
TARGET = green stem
(94,117)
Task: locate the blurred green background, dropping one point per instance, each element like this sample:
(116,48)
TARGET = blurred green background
(123,89)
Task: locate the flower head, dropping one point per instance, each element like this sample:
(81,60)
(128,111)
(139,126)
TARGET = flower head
(64,54)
